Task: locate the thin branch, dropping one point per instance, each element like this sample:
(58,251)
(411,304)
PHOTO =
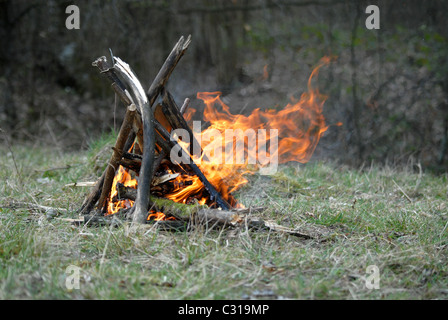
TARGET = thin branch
(146,171)
(167,68)
(33,206)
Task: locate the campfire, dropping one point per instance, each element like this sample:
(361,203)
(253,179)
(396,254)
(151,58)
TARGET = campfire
(166,168)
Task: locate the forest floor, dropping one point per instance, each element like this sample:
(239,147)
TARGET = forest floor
(394,219)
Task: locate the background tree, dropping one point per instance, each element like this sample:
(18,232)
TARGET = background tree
(389,87)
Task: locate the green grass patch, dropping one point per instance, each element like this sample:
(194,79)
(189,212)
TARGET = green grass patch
(393,218)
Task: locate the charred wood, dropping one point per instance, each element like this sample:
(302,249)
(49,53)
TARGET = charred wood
(214,195)
(125,130)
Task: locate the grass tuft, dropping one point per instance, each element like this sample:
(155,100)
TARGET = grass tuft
(393,218)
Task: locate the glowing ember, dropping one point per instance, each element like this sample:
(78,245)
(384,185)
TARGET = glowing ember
(159,216)
(181,194)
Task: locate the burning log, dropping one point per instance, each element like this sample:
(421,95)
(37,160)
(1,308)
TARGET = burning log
(146,138)
(145,102)
(136,163)
(131,156)
(214,195)
(129,193)
(177,121)
(130,164)
(139,123)
(167,177)
(125,129)
(125,193)
(189,217)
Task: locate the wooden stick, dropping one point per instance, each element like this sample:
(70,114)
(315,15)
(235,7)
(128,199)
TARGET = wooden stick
(33,206)
(162,153)
(94,195)
(125,129)
(131,156)
(177,121)
(158,161)
(130,140)
(120,89)
(81,184)
(160,139)
(125,193)
(138,129)
(167,68)
(124,95)
(196,215)
(162,78)
(185,106)
(118,86)
(136,163)
(189,217)
(214,195)
(161,118)
(133,165)
(215,217)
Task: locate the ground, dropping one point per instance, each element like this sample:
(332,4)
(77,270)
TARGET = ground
(394,219)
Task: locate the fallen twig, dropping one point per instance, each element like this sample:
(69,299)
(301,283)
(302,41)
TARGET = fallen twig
(81,184)
(34,206)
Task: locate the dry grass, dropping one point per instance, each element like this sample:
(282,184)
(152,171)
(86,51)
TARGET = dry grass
(393,218)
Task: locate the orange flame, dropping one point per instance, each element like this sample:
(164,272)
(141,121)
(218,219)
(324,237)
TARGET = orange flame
(296,130)
(300,125)
(124,177)
(182,193)
(159,216)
